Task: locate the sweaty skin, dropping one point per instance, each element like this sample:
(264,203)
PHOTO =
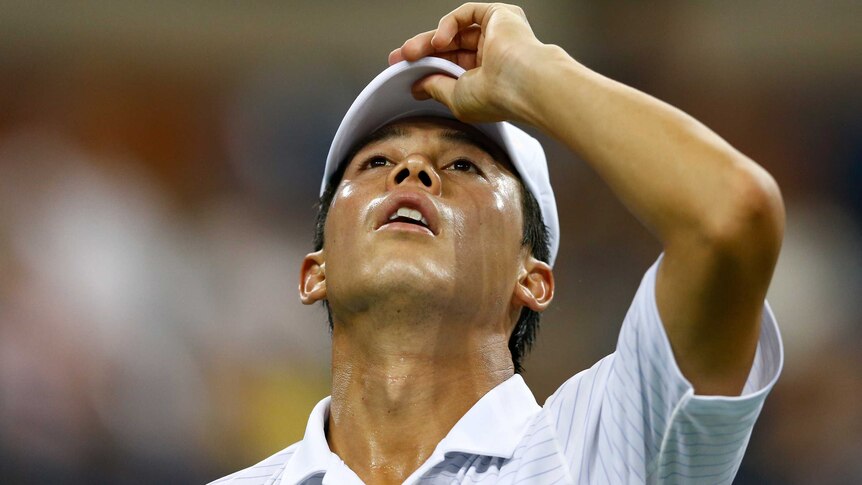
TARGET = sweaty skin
(421,318)
(422,321)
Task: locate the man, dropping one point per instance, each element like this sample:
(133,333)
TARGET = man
(432,267)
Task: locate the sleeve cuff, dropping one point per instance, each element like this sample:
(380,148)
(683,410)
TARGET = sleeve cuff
(765,369)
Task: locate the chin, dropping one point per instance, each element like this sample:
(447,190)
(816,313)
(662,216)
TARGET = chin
(411,273)
(397,282)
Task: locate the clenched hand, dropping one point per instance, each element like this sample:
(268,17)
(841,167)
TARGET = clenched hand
(495,44)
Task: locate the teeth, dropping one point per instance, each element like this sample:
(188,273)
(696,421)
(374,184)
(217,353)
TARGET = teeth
(409,213)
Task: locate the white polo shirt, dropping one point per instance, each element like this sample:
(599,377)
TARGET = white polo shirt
(631,418)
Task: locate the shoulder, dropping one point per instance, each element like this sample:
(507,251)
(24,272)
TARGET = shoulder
(266,471)
(578,393)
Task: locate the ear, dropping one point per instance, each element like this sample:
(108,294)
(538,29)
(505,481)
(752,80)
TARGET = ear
(312,278)
(535,287)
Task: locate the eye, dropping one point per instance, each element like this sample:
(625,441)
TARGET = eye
(375,162)
(464,165)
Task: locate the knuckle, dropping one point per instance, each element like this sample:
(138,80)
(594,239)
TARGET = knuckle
(511,8)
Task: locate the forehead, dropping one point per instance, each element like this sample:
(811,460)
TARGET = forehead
(436,129)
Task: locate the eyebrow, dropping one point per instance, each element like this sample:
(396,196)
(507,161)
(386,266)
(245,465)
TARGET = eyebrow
(386,133)
(482,142)
(456,136)
(383,134)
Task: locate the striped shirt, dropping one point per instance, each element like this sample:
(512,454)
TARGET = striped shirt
(631,418)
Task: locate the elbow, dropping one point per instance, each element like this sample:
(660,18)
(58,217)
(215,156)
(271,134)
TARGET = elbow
(751,217)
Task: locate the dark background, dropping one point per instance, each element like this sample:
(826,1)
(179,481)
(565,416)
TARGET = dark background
(159,163)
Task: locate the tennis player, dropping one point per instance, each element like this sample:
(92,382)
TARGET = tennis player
(436,239)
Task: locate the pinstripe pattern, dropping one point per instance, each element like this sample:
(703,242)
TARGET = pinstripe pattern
(631,418)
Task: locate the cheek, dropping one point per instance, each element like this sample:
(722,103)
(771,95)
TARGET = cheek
(344,213)
(351,219)
(506,206)
(343,199)
(500,201)
(492,222)
(345,192)
(352,200)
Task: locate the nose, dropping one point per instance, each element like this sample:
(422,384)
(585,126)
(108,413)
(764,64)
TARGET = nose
(415,170)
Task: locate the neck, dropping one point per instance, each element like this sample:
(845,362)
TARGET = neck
(397,390)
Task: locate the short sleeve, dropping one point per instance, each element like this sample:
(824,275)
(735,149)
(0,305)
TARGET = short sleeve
(634,418)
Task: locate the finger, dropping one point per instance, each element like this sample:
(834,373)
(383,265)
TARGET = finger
(419,93)
(417,46)
(466,43)
(458,20)
(465,59)
(437,86)
(466,39)
(461,51)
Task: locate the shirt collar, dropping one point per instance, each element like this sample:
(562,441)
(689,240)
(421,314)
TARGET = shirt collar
(495,424)
(312,453)
(492,427)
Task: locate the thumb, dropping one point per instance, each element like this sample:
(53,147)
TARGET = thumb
(436,86)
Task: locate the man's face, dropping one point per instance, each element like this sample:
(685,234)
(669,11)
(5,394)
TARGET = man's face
(425,219)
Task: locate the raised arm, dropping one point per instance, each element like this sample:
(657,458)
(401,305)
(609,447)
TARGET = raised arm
(718,214)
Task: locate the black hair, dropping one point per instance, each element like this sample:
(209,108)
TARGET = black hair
(535,237)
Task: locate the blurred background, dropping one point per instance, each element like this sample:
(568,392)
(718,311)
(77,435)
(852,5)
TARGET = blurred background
(159,166)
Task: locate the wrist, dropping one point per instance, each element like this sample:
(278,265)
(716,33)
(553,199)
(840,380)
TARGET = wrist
(545,69)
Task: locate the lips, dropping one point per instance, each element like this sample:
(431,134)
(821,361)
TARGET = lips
(408,211)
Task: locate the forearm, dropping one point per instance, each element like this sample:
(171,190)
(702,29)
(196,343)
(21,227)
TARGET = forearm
(719,215)
(678,177)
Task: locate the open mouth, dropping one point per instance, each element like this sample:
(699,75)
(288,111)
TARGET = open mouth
(409,216)
(407,219)
(408,211)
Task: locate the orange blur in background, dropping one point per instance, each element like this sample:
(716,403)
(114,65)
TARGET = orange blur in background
(159,166)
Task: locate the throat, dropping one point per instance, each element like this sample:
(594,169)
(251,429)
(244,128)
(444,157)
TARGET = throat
(378,395)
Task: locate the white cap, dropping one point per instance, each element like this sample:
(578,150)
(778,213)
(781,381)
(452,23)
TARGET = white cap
(388,98)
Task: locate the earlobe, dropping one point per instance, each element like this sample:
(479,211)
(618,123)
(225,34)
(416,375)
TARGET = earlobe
(312,278)
(535,287)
